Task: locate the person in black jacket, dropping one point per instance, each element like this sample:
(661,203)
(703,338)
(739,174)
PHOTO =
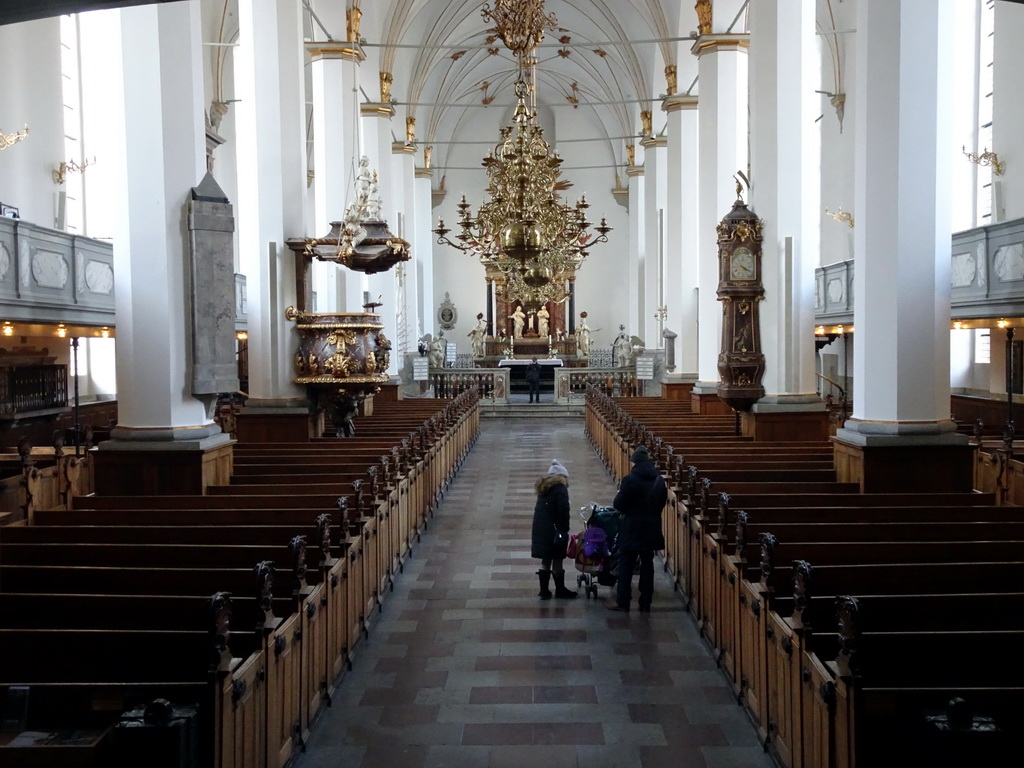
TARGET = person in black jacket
(640,501)
(551,514)
(533,379)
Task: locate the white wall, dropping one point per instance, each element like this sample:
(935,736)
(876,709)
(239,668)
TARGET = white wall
(837,142)
(30,93)
(1008,106)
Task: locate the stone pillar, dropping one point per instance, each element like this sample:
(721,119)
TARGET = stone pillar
(636,257)
(406,274)
(571,327)
(784,145)
(681,231)
(271,188)
(376,122)
(722,64)
(423,249)
(655,196)
(900,436)
(335,78)
(165,441)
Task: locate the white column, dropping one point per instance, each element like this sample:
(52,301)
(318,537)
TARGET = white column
(633,320)
(681,229)
(722,119)
(163,158)
(901,238)
(405,226)
(271,185)
(335,78)
(376,122)
(655,195)
(423,250)
(785,194)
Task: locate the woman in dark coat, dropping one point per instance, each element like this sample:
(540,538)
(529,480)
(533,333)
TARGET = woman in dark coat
(640,501)
(550,514)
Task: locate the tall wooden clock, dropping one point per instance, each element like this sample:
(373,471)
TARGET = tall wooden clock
(741,362)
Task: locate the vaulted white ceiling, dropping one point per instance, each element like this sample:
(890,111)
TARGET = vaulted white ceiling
(605,60)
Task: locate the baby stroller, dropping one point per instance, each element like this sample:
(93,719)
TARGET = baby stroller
(593,550)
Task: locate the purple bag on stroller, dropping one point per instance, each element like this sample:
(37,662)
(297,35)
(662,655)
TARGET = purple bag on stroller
(595,543)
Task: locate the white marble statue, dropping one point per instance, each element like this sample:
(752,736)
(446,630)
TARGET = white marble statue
(542,321)
(437,350)
(518,319)
(477,335)
(583,337)
(622,350)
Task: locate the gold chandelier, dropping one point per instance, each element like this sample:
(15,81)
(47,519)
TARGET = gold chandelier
(523,230)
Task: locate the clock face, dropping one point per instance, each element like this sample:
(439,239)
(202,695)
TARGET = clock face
(741,265)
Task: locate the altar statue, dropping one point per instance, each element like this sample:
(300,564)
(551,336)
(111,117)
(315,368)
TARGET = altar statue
(477,335)
(622,350)
(542,321)
(518,319)
(583,337)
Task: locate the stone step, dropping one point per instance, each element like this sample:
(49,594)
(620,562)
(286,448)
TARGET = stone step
(530,410)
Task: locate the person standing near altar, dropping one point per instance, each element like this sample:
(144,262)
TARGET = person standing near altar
(533,379)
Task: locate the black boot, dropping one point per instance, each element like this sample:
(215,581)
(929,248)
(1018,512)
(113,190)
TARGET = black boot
(545,577)
(560,591)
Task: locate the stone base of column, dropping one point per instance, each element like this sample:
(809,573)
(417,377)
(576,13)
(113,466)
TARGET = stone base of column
(704,400)
(278,421)
(904,458)
(162,462)
(786,418)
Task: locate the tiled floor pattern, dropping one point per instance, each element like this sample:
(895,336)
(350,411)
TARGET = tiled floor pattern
(468,668)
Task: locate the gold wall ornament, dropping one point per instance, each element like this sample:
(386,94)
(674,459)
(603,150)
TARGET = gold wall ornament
(410,130)
(519,23)
(10,139)
(427,151)
(986,158)
(670,79)
(386,79)
(353,16)
(840,215)
(62,170)
(646,122)
(630,154)
(704,16)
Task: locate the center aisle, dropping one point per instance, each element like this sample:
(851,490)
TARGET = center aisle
(467,668)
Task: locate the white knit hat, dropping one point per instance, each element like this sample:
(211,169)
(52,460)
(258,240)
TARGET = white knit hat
(556,468)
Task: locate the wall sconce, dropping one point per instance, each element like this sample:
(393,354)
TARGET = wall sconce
(70,166)
(105,332)
(8,329)
(819,331)
(840,215)
(840,330)
(10,139)
(62,330)
(957,325)
(1003,323)
(986,158)
(241,335)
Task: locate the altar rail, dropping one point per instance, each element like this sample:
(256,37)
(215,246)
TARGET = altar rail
(490,383)
(570,383)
